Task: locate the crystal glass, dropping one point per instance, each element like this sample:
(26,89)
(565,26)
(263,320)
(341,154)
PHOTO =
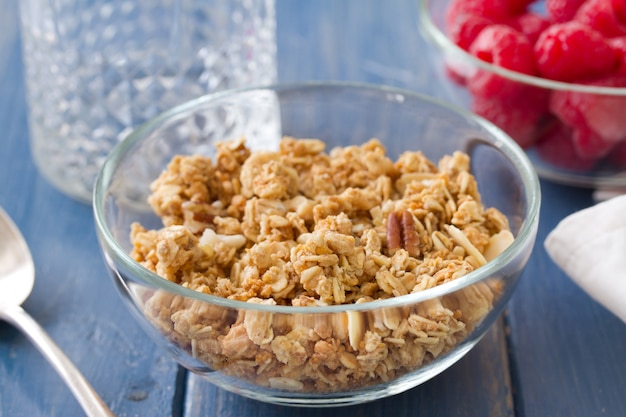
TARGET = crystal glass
(326,360)
(94,70)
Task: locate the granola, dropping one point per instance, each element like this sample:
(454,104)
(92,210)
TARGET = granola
(302,227)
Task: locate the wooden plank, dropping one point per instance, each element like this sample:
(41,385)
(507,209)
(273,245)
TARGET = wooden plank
(75,301)
(74,298)
(365,41)
(568,352)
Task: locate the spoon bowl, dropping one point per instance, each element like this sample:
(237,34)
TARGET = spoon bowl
(17,270)
(17,277)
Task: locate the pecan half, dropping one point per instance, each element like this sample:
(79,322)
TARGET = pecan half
(401,233)
(410,239)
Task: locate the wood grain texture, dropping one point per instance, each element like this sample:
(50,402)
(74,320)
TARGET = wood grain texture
(73,298)
(367,41)
(568,352)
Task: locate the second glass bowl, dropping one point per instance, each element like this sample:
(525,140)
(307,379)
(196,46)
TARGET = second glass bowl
(527,116)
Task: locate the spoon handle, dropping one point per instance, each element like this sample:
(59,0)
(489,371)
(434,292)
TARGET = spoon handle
(89,400)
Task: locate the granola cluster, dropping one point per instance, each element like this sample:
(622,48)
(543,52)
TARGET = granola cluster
(302,227)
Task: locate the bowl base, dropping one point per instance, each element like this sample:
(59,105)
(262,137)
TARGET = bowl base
(348,398)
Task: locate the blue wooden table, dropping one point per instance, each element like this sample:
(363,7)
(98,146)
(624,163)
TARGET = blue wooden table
(554,352)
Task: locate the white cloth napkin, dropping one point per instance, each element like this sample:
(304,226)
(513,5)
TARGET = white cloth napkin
(590,246)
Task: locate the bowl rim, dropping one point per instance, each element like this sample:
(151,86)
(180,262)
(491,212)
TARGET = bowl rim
(526,235)
(432,32)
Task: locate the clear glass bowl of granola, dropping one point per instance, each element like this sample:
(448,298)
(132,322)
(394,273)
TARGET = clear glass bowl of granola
(317,244)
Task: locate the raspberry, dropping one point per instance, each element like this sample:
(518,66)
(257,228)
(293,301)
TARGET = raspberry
(572,52)
(589,145)
(599,15)
(505,47)
(530,24)
(617,156)
(516,7)
(556,148)
(466,28)
(484,83)
(619,44)
(495,10)
(619,8)
(603,115)
(561,11)
(521,119)
(454,74)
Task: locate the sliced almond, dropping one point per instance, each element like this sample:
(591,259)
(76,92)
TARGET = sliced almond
(498,243)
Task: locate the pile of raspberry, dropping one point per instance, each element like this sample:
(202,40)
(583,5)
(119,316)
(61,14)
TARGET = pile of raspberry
(572,41)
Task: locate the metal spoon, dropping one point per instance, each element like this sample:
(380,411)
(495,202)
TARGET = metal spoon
(17,276)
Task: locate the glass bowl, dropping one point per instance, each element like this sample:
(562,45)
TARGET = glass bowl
(536,113)
(317,355)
